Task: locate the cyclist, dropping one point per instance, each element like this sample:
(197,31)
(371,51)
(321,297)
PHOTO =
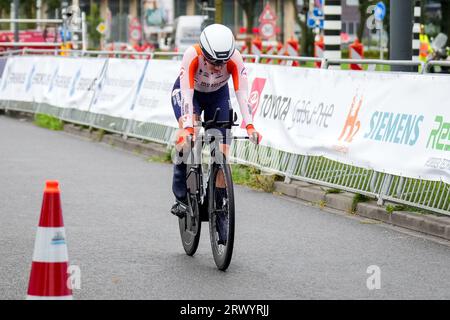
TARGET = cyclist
(203,86)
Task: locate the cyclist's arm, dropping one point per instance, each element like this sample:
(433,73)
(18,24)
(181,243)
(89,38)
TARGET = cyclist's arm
(240,82)
(189,66)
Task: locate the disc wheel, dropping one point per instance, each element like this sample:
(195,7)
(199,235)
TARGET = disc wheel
(190,224)
(221,215)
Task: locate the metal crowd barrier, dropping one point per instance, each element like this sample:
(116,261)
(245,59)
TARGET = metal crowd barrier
(429,195)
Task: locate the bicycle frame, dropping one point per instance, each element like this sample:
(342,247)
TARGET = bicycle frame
(196,153)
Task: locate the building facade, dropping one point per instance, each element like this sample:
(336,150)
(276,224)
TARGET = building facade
(118,14)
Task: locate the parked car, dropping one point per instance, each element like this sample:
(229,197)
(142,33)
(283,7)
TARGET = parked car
(186,31)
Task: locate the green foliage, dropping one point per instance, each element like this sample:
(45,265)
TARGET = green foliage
(357,199)
(100,135)
(5,7)
(48,122)
(93,20)
(391,208)
(249,8)
(333,190)
(52,5)
(164,158)
(253,178)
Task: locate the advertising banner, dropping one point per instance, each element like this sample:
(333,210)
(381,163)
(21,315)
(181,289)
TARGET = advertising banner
(2,66)
(398,123)
(118,88)
(382,121)
(42,74)
(17,79)
(153,101)
(74,82)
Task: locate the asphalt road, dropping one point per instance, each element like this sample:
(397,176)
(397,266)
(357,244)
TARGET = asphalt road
(126,243)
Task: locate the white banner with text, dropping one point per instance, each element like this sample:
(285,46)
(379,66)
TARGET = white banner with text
(397,123)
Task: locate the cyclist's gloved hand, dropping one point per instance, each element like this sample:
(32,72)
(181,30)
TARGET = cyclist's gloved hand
(254,135)
(183,134)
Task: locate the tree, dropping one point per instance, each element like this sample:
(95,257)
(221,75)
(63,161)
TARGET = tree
(249,8)
(52,5)
(363,5)
(93,20)
(445,17)
(5,6)
(306,35)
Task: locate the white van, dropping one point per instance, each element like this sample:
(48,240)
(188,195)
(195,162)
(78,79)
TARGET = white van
(186,31)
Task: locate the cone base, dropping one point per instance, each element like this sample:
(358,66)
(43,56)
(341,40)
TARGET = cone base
(49,298)
(49,280)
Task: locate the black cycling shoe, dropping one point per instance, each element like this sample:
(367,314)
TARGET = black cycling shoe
(180,208)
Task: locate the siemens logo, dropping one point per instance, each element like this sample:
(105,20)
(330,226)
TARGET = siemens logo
(394,128)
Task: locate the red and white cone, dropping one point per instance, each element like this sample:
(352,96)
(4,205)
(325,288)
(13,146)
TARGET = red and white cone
(49,277)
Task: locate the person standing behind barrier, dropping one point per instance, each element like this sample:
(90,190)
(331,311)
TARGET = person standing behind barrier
(425,46)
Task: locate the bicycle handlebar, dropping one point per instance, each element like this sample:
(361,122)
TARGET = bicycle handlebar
(213,123)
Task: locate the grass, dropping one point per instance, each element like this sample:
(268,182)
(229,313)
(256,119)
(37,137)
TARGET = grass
(400,207)
(333,190)
(164,158)
(48,122)
(358,198)
(101,134)
(391,208)
(253,178)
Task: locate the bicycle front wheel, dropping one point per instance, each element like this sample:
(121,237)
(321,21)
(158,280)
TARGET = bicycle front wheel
(190,225)
(221,214)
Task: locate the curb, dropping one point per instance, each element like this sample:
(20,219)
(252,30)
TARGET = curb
(133,145)
(429,224)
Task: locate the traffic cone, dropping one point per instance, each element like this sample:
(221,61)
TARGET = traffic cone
(49,277)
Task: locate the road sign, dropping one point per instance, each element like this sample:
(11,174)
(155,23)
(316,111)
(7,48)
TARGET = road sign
(314,21)
(101,28)
(380,11)
(135,29)
(268,15)
(317,12)
(268,22)
(267,29)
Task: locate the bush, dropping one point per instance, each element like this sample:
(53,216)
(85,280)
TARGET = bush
(48,122)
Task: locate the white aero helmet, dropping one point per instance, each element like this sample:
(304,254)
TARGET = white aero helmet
(217,43)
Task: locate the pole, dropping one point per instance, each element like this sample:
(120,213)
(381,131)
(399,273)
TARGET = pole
(332,10)
(11,15)
(416,29)
(219,11)
(380,39)
(38,13)
(16,16)
(401,18)
(84,31)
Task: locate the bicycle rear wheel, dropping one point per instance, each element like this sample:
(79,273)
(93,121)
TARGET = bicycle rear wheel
(221,214)
(190,225)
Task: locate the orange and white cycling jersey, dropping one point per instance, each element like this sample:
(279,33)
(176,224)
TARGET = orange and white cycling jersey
(196,74)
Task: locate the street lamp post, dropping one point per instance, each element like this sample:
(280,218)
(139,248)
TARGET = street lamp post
(401,18)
